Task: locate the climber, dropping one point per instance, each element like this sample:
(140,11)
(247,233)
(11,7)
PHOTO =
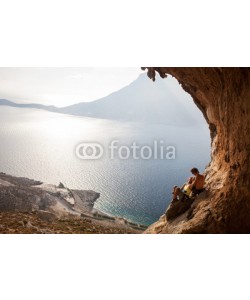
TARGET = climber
(197,186)
(193,187)
(187,186)
(183,192)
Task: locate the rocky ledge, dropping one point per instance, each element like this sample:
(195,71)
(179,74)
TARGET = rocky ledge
(25,204)
(179,216)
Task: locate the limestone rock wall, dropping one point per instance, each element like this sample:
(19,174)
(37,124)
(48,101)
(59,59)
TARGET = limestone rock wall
(223,96)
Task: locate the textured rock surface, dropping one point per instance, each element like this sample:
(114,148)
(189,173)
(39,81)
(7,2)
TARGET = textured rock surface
(31,222)
(177,208)
(223,96)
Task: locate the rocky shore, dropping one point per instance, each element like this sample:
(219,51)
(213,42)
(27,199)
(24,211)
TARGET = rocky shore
(29,206)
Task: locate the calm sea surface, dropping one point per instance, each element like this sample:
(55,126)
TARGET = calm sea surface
(41,145)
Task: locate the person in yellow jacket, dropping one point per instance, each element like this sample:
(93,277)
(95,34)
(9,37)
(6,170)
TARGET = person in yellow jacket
(186,189)
(193,186)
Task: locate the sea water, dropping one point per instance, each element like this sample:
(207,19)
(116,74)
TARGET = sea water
(42,145)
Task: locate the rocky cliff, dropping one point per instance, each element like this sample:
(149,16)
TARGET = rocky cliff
(223,96)
(29,206)
(20,194)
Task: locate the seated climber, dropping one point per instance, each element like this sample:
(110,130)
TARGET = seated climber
(186,188)
(193,187)
(178,194)
(197,186)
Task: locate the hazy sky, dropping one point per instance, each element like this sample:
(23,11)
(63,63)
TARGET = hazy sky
(62,86)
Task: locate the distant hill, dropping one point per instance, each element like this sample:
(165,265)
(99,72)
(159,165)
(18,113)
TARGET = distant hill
(30,105)
(161,101)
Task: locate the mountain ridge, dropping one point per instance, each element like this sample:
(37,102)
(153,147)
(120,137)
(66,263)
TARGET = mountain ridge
(141,100)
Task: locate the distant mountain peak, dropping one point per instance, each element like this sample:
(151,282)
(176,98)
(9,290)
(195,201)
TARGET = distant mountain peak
(143,100)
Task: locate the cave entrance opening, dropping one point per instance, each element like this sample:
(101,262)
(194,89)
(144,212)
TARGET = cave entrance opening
(184,127)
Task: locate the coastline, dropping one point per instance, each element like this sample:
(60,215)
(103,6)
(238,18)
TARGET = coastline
(27,198)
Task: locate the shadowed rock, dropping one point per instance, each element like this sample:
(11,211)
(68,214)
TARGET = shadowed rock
(178,207)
